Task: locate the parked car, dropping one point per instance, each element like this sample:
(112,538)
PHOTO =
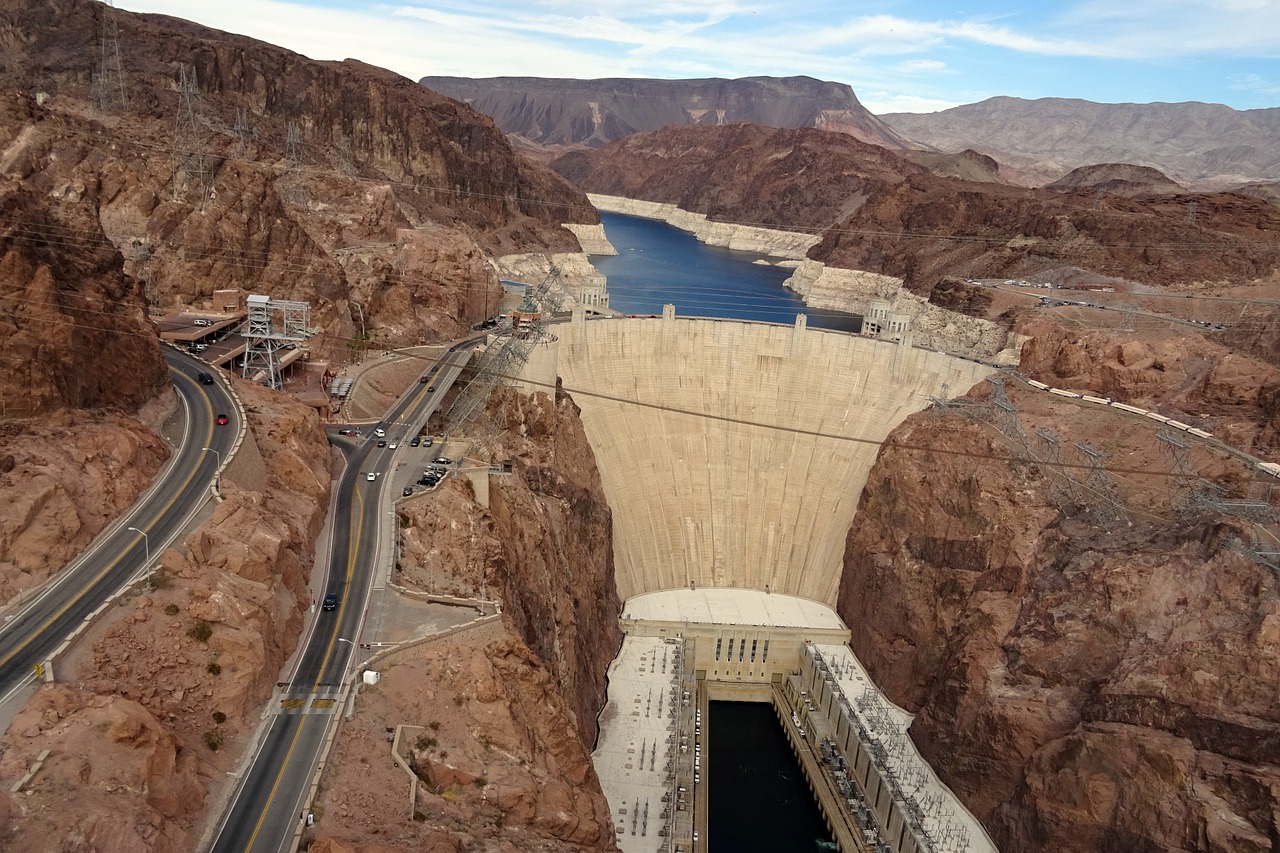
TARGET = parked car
(428,441)
(202,321)
(415,441)
(408,490)
(442,460)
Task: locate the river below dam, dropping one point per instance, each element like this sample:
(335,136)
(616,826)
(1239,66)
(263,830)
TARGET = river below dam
(658,264)
(758,799)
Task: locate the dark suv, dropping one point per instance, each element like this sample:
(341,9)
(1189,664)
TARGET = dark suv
(205,378)
(331,601)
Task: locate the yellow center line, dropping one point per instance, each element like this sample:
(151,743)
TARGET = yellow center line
(84,590)
(352,542)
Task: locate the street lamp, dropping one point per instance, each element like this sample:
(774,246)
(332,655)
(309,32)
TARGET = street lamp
(146,542)
(216,476)
(345,640)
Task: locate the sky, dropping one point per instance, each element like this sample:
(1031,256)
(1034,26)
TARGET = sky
(898,56)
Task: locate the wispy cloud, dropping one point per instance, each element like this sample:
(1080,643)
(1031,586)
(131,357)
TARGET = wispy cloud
(971,52)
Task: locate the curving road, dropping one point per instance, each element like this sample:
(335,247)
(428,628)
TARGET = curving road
(267,808)
(119,553)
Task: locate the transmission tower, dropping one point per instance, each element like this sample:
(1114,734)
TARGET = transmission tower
(1099,486)
(504,359)
(345,163)
(109,86)
(143,252)
(272,325)
(1062,488)
(1006,414)
(292,143)
(244,131)
(192,165)
(1182,473)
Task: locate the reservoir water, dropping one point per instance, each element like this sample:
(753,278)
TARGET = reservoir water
(657,263)
(758,799)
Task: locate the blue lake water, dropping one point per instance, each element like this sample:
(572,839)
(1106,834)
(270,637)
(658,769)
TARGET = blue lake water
(758,801)
(657,263)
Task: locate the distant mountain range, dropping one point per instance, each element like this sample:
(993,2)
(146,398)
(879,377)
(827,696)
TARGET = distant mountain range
(558,113)
(1036,142)
(1209,146)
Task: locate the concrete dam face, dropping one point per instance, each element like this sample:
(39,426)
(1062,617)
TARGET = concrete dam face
(733,454)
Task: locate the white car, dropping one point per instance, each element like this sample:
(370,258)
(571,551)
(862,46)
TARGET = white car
(380,433)
(392,446)
(371,476)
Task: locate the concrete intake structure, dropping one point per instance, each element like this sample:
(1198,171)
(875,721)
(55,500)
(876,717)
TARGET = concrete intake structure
(733,454)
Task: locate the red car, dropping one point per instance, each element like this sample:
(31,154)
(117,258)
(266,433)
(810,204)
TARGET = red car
(422,379)
(223,420)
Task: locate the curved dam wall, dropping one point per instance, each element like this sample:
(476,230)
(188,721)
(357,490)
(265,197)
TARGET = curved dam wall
(733,454)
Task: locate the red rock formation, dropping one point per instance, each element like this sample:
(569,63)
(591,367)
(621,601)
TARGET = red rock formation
(115,779)
(544,546)
(194,656)
(501,764)
(1082,685)
(74,332)
(881,213)
(378,154)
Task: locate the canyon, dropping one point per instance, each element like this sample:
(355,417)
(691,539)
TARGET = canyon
(1085,674)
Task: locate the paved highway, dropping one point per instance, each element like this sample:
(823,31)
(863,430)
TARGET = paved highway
(119,553)
(267,808)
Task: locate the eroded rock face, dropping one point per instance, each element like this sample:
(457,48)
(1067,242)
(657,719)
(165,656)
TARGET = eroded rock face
(381,217)
(497,752)
(182,667)
(76,332)
(881,213)
(105,752)
(1082,683)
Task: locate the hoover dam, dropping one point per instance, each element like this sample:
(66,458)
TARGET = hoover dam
(732,456)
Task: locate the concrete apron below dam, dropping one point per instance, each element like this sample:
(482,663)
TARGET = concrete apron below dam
(685,648)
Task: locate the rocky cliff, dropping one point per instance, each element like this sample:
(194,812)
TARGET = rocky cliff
(335,183)
(507,709)
(559,113)
(180,669)
(1089,662)
(879,213)
(78,361)
(1209,145)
